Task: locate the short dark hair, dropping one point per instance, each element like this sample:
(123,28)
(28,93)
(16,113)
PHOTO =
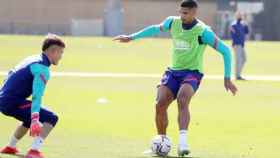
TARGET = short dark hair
(189,4)
(51,40)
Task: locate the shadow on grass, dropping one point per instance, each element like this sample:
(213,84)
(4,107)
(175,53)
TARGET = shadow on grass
(9,155)
(168,157)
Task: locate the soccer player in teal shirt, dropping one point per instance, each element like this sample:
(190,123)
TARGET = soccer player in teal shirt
(182,78)
(30,78)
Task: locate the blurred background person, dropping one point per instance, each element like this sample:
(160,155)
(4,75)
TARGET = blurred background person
(239,30)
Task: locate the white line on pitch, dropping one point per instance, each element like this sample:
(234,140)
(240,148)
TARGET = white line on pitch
(145,75)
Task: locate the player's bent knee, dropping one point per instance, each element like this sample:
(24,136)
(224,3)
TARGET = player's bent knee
(161,108)
(186,95)
(53,120)
(161,104)
(183,100)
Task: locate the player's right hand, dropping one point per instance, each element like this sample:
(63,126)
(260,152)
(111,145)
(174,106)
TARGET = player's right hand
(36,126)
(122,38)
(230,86)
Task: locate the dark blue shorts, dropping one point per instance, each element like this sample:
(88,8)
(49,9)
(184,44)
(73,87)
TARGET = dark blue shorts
(173,79)
(22,113)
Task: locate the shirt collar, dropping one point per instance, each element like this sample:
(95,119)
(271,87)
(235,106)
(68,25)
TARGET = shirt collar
(191,25)
(46,60)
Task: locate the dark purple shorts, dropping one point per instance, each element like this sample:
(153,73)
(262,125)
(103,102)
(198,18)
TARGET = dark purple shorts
(173,79)
(22,113)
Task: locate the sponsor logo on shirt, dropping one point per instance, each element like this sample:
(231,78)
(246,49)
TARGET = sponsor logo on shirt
(182,45)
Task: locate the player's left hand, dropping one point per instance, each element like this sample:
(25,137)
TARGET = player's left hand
(36,126)
(230,86)
(122,38)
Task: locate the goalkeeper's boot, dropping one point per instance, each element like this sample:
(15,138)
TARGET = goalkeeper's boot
(9,150)
(34,154)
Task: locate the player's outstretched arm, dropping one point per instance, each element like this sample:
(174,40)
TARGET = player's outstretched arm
(211,39)
(149,31)
(146,32)
(40,74)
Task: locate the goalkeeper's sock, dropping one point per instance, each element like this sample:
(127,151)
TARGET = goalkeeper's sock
(37,143)
(13,142)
